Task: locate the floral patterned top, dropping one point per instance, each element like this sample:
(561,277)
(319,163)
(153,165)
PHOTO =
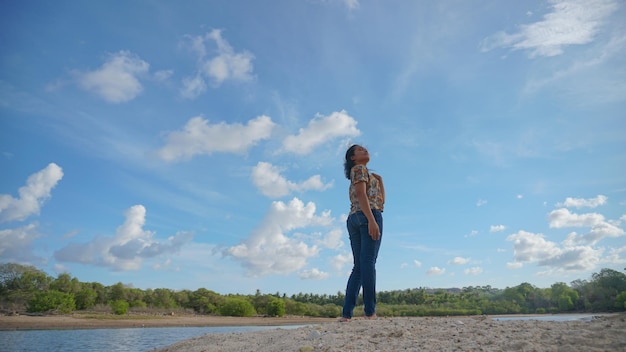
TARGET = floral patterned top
(358,174)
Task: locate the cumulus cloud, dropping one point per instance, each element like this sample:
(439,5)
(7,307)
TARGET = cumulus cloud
(116,81)
(497,228)
(459,261)
(563,218)
(570,22)
(16,245)
(435,271)
(198,136)
(600,228)
(534,248)
(269,249)
(320,130)
(417,263)
(225,64)
(267,178)
(313,274)
(583,203)
(127,249)
(31,196)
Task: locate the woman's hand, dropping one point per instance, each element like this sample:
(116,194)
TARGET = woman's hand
(373,230)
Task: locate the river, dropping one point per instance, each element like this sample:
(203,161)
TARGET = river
(110,340)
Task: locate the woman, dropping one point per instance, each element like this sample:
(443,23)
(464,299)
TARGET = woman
(365,227)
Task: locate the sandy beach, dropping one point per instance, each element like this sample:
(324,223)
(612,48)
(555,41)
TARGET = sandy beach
(605,333)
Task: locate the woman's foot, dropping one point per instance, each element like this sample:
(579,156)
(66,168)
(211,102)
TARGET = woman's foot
(371,317)
(344,320)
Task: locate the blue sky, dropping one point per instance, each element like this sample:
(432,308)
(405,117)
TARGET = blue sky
(200,144)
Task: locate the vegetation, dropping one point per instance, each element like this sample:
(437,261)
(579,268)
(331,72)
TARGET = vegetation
(28,289)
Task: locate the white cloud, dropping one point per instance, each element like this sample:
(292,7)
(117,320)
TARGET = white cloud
(333,239)
(192,87)
(267,178)
(514,265)
(473,270)
(320,130)
(163,75)
(16,245)
(435,271)
(200,137)
(583,203)
(417,263)
(339,261)
(269,250)
(31,196)
(497,228)
(481,202)
(600,229)
(351,4)
(116,81)
(571,22)
(127,249)
(534,248)
(313,274)
(560,218)
(226,65)
(472,233)
(459,261)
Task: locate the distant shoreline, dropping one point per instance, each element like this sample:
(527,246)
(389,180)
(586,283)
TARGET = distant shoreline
(105,321)
(95,321)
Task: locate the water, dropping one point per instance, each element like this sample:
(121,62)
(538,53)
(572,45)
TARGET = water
(110,340)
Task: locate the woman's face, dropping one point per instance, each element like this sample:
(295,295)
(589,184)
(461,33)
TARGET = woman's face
(361,156)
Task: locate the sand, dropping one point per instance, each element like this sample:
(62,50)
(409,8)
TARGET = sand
(605,333)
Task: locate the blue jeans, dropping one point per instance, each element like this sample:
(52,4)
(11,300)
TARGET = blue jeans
(364,252)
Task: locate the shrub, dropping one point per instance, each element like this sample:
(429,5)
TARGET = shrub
(276,307)
(45,301)
(237,307)
(120,307)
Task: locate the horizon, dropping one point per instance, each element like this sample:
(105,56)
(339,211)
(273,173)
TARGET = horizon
(161,145)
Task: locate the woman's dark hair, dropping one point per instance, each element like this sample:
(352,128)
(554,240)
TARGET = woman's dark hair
(349,163)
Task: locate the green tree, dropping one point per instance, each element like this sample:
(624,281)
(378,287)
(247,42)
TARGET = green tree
(52,300)
(65,283)
(85,297)
(19,283)
(162,298)
(117,292)
(119,307)
(276,307)
(620,301)
(204,301)
(237,307)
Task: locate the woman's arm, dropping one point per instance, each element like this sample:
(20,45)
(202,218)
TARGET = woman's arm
(372,226)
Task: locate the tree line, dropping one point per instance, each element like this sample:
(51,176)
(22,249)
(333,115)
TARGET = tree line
(26,289)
